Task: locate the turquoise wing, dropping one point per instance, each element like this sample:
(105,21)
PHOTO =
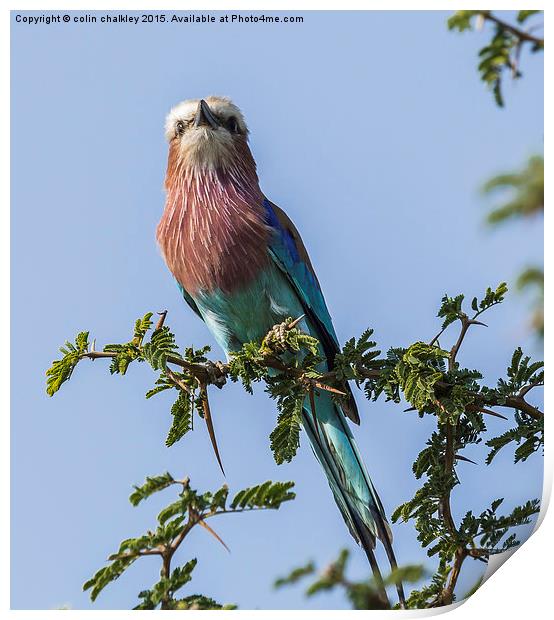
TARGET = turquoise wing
(289,253)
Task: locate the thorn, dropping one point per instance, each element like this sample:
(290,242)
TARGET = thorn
(209,529)
(92,345)
(473,322)
(436,338)
(295,322)
(161,320)
(459,457)
(209,424)
(478,409)
(410,409)
(328,388)
(496,415)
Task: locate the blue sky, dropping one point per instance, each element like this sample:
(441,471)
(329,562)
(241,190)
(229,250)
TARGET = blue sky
(374,132)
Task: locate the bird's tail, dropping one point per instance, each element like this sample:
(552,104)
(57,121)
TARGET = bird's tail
(355,495)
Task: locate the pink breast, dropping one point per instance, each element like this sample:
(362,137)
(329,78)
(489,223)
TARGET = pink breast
(213,233)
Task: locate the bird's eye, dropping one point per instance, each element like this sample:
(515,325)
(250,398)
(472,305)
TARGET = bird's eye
(180,128)
(232,124)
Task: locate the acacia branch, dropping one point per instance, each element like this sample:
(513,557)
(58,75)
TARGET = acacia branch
(134,554)
(174,545)
(206,373)
(449,461)
(466,324)
(527,388)
(449,456)
(447,595)
(165,572)
(522,35)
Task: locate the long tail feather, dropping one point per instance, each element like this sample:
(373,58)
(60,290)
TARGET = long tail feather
(357,499)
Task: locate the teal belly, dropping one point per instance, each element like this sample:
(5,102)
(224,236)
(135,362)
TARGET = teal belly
(249,313)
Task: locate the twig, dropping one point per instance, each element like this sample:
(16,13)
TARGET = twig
(165,572)
(520,34)
(448,592)
(466,323)
(442,387)
(124,556)
(449,462)
(527,388)
(161,320)
(438,336)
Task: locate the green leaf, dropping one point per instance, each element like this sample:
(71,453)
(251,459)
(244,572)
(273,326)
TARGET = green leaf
(285,438)
(421,366)
(451,309)
(522,373)
(526,192)
(332,576)
(61,370)
(356,354)
(106,575)
(523,16)
(528,435)
(178,507)
(219,498)
(181,575)
(152,485)
(162,344)
(461,20)
(266,495)
(162,384)
(501,54)
(141,328)
(182,418)
(199,601)
(493,297)
(295,575)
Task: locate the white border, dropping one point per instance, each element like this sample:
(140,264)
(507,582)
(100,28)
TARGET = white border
(521,587)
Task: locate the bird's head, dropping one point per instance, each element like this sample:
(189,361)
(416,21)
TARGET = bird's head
(206,134)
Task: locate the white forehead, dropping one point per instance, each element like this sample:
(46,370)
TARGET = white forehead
(185,111)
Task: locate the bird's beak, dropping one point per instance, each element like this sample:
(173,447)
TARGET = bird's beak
(204,116)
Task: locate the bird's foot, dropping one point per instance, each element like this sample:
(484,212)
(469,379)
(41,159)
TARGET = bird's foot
(217,373)
(276,338)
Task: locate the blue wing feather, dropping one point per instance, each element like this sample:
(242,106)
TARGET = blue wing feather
(190,301)
(288,251)
(348,478)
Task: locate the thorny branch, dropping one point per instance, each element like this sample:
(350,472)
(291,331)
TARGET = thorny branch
(445,390)
(175,522)
(212,372)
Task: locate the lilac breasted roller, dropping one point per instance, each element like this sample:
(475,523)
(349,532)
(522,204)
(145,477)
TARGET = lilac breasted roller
(241,265)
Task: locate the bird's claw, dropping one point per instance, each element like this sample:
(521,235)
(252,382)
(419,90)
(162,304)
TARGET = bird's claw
(217,373)
(276,338)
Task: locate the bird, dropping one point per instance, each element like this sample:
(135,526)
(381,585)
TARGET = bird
(241,265)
